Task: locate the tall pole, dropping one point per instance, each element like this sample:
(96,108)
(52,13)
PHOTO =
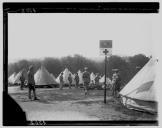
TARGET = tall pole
(105,78)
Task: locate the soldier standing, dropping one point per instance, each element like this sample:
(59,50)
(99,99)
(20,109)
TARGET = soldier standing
(61,81)
(116,81)
(86,80)
(22,80)
(76,80)
(70,80)
(31,82)
(97,80)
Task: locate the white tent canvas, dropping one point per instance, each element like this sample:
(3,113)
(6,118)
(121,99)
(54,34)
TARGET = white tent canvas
(102,80)
(73,78)
(42,77)
(17,77)
(80,74)
(53,77)
(58,79)
(11,78)
(92,77)
(139,93)
(66,73)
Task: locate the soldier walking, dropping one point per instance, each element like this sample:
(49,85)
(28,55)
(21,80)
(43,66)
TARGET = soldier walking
(86,80)
(97,79)
(70,80)
(76,80)
(116,81)
(22,80)
(31,82)
(61,81)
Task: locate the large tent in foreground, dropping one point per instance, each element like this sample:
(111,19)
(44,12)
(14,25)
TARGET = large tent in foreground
(43,77)
(139,93)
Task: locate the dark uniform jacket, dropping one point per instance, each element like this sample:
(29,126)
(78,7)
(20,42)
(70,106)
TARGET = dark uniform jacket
(31,78)
(70,79)
(86,76)
(61,79)
(97,80)
(22,79)
(77,79)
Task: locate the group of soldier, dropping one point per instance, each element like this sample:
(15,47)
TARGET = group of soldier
(116,81)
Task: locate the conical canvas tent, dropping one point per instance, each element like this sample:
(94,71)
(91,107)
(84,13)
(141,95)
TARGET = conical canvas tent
(73,78)
(80,74)
(92,77)
(53,77)
(139,93)
(102,80)
(17,77)
(42,77)
(11,78)
(58,78)
(66,73)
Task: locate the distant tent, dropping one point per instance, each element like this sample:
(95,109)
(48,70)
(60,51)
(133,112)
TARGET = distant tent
(11,78)
(80,74)
(43,77)
(92,77)
(58,78)
(73,78)
(102,80)
(17,77)
(53,77)
(139,93)
(66,73)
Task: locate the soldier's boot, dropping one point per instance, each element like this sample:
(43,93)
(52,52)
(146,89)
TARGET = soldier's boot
(35,97)
(29,96)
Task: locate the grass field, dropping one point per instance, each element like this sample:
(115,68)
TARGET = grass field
(72,104)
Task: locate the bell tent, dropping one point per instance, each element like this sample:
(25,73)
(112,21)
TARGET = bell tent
(11,78)
(92,77)
(43,77)
(53,77)
(139,93)
(66,73)
(102,80)
(80,74)
(17,77)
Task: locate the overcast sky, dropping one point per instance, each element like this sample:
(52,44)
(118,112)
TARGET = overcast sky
(58,35)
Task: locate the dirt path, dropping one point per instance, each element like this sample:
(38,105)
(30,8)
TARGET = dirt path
(72,104)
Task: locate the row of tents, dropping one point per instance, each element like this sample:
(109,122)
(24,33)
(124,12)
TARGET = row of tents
(138,94)
(43,77)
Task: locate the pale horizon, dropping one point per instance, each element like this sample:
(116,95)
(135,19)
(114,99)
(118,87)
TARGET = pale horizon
(36,36)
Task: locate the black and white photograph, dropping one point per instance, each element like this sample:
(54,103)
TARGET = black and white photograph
(81,67)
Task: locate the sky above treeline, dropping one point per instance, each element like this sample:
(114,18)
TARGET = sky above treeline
(58,35)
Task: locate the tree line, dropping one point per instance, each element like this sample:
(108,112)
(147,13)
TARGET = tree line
(128,66)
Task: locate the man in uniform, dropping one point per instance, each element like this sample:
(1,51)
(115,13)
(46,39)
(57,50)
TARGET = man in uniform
(31,82)
(97,80)
(76,80)
(86,80)
(116,81)
(61,81)
(70,80)
(22,80)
